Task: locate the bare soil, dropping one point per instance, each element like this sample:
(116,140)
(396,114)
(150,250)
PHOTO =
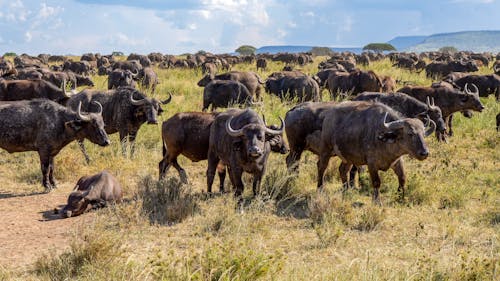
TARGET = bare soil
(29,227)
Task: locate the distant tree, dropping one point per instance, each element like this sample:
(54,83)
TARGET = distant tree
(321,51)
(116,53)
(201,52)
(246,50)
(10,54)
(448,49)
(379,47)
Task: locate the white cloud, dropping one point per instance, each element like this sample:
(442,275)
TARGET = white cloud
(27,36)
(47,11)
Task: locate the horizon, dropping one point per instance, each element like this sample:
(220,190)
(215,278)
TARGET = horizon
(221,26)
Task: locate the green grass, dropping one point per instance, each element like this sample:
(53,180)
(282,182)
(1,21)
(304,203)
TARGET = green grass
(447,229)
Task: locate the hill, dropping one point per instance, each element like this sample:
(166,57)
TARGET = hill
(404,42)
(299,49)
(476,41)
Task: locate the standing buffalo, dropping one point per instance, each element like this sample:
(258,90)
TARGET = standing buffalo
(47,127)
(354,83)
(486,84)
(125,110)
(96,191)
(448,99)
(238,140)
(373,134)
(223,93)
(79,67)
(149,79)
(302,88)
(188,133)
(262,64)
(32,89)
(250,79)
(118,78)
(444,68)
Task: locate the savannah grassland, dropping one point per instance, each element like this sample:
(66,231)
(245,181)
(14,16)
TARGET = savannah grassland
(446,229)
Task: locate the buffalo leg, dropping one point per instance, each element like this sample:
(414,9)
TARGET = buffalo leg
(293,158)
(323,160)
(123,141)
(131,140)
(45,165)
(399,169)
(221,171)
(344,170)
(450,126)
(84,151)
(51,172)
(213,160)
(376,185)
(182,172)
(163,167)
(235,176)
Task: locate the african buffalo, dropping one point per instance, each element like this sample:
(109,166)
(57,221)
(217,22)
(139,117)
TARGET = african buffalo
(354,83)
(118,78)
(11,90)
(125,110)
(441,69)
(188,133)
(238,140)
(302,88)
(486,84)
(95,191)
(373,134)
(47,127)
(450,100)
(261,63)
(250,79)
(148,78)
(223,93)
(79,67)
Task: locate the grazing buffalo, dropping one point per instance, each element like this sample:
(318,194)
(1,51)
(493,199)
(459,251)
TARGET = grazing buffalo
(238,141)
(47,127)
(94,191)
(188,133)
(450,100)
(441,69)
(354,83)
(373,134)
(118,78)
(79,67)
(209,68)
(486,84)
(133,66)
(223,93)
(322,76)
(7,68)
(302,88)
(11,90)
(61,77)
(250,79)
(125,110)
(262,64)
(149,79)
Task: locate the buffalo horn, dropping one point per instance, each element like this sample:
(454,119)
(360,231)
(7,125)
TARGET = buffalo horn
(79,113)
(430,129)
(275,132)
(100,107)
(230,131)
(432,101)
(134,74)
(393,125)
(136,102)
(496,68)
(168,99)
(466,88)
(429,102)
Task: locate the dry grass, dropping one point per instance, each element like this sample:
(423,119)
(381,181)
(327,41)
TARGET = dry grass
(447,229)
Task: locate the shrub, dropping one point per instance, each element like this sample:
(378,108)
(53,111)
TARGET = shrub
(166,201)
(369,218)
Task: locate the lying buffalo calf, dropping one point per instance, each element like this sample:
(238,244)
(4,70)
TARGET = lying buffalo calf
(96,190)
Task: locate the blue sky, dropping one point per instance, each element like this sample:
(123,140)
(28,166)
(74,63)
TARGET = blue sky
(174,27)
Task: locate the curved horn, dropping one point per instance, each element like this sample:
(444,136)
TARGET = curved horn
(167,100)
(79,113)
(432,101)
(429,102)
(393,125)
(496,68)
(64,87)
(230,131)
(430,129)
(476,90)
(100,107)
(276,132)
(134,74)
(136,102)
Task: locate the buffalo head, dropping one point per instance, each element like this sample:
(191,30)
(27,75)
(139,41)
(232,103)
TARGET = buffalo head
(78,201)
(408,135)
(149,108)
(205,80)
(252,137)
(471,99)
(89,126)
(435,114)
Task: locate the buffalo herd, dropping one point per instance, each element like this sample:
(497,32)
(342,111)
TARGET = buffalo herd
(366,122)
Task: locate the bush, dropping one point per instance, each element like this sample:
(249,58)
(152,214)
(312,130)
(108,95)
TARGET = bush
(10,54)
(370,217)
(166,201)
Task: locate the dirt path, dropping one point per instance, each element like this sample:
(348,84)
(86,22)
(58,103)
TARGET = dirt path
(29,228)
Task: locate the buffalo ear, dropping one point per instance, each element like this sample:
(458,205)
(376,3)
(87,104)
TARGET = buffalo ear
(389,136)
(237,145)
(75,125)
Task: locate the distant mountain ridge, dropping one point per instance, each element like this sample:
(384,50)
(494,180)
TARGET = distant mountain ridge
(476,41)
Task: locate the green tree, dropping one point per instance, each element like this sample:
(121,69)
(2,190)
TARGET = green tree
(246,50)
(116,53)
(321,51)
(10,54)
(448,49)
(379,47)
